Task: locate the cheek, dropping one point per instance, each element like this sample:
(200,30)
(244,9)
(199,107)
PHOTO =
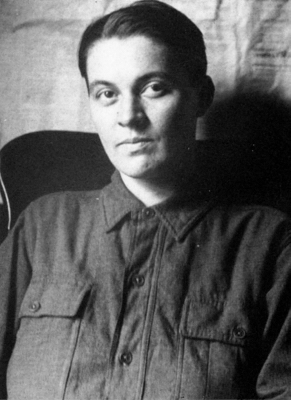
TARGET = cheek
(165,117)
(94,114)
(102,121)
(182,117)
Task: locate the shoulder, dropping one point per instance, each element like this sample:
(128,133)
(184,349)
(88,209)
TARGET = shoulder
(69,198)
(259,212)
(256,221)
(60,206)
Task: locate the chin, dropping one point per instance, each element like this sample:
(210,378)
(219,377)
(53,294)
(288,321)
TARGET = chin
(134,169)
(142,167)
(147,174)
(135,174)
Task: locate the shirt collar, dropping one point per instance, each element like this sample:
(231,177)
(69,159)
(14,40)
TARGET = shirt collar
(179,215)
(117,202)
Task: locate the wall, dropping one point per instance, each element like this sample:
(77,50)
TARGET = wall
(248,45)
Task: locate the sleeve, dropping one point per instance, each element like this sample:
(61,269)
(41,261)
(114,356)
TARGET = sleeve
(274,380)
(15,273)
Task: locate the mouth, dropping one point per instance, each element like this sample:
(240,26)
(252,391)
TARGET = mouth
(135,140)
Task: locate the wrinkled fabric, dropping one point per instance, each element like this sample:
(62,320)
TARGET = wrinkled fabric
(104,298)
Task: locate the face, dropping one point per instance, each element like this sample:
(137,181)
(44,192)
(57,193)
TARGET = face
(142,105)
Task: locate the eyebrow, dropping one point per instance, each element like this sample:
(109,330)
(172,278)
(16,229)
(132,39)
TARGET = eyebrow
(146,77)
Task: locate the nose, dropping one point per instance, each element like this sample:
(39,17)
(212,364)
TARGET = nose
(131,113)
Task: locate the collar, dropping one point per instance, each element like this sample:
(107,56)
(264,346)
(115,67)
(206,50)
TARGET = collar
(178,214)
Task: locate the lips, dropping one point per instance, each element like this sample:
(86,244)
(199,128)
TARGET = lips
(135,140)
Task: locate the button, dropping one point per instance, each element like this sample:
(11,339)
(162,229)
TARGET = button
(138,280)
(34,306)
(148,213)
(126,358)
(239,332)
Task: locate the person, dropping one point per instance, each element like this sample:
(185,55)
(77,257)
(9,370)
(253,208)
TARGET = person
(155,287)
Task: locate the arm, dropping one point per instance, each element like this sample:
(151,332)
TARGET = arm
(14,278)
(274,380)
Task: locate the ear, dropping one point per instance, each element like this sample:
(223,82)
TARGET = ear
(206,95)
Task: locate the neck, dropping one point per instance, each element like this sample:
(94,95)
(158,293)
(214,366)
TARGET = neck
(148,192)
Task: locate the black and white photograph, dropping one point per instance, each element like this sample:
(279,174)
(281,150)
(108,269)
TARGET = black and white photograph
(145,199)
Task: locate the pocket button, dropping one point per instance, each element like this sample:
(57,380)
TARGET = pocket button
(34,306)
(239,332)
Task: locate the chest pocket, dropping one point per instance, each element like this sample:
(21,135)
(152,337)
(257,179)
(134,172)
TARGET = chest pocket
(50,319)
(216,342)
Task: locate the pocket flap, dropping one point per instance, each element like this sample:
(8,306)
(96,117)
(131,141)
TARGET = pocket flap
(219,322)
(53,299)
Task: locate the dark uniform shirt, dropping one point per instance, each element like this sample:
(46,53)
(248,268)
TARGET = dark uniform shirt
(104,298)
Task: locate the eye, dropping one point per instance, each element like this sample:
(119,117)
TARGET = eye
(155,89)
(106,96)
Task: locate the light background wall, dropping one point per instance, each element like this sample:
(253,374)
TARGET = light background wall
(248,45)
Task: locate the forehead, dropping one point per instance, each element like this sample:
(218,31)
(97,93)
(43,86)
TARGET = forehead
(133,56)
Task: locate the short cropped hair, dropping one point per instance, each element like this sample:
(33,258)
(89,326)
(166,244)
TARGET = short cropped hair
(157,21)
